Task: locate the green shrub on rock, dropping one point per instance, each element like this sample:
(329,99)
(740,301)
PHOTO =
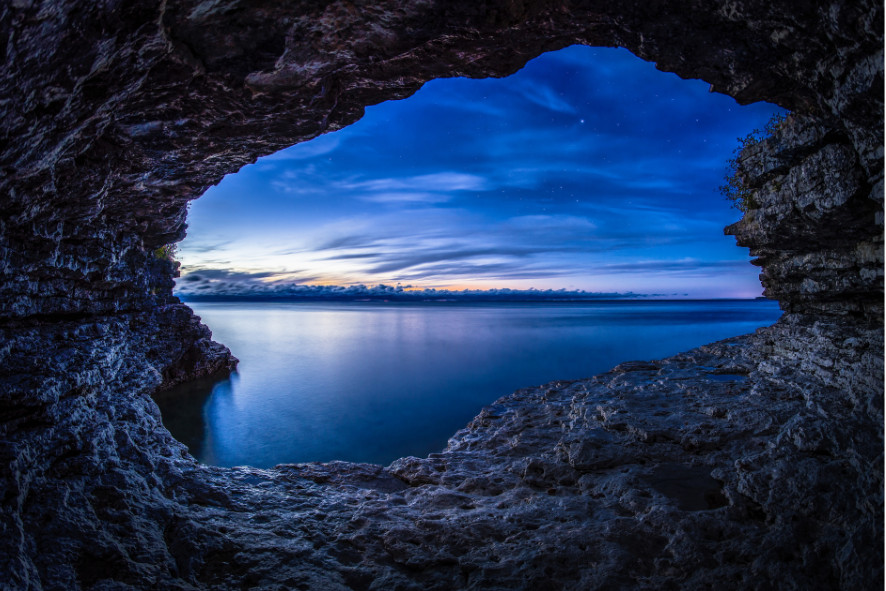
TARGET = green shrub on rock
(736,188)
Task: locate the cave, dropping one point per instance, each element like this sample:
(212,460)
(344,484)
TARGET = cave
(115,115)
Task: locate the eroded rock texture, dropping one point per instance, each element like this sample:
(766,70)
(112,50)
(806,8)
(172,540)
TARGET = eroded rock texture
(752,463)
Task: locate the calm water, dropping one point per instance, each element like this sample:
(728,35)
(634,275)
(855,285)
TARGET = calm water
(373,381)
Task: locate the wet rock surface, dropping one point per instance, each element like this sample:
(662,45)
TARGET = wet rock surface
(751,463)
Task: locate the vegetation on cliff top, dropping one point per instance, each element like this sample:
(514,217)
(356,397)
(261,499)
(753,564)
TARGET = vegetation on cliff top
(736,188)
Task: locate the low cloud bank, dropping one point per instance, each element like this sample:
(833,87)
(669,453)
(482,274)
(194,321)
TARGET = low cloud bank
(196,287)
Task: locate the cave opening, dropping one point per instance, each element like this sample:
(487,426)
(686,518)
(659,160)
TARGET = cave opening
(588,173)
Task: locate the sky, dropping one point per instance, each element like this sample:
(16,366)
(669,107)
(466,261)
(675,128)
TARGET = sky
(586,170)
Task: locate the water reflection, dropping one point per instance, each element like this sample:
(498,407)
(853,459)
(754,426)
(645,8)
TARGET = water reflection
(183,410)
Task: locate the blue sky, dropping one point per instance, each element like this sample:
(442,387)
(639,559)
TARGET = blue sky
(587,170)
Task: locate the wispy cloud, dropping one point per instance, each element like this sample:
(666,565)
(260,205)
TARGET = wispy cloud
(503,271)
(393,262)
(407,197)
(545,96)
(319,146)
(684,267)
(201,246)
(197,275)
(440,244)
(438,187)
(438,181)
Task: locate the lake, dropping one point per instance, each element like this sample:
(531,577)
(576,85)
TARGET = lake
(375,381)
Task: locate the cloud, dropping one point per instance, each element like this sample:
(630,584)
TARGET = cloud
(319,146)
(202,247)
(348,241)
(680,267)
(475,107)
(196,280)
(200,288)
(209,275)
(445,271)
(545,96)
(407,197)
(438,181)
(437,187)
(354,255)
(201,274)
(446,243)
(399,261)
(515,243)
(551,223)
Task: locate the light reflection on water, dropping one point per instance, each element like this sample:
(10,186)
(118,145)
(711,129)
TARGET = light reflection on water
(374,381)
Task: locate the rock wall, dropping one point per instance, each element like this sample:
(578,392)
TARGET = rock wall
(115,115)
(815,221)
(815,224)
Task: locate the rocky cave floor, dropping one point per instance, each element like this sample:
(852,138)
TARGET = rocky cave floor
(713,466)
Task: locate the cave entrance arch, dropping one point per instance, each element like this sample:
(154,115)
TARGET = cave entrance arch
(588,170)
